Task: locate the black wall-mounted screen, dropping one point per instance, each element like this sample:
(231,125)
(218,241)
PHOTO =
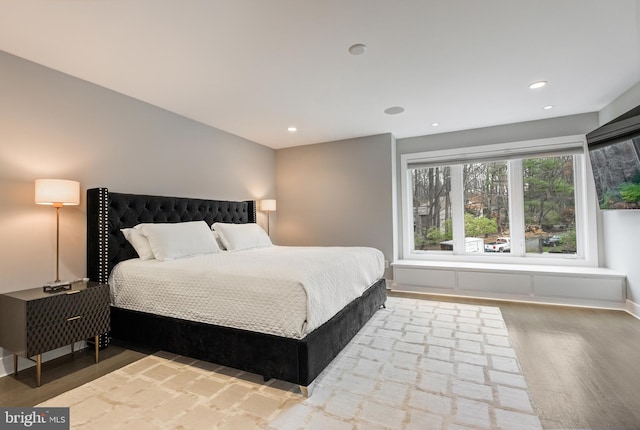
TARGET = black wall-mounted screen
(614,151)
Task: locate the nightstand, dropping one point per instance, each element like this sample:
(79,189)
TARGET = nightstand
(33,322)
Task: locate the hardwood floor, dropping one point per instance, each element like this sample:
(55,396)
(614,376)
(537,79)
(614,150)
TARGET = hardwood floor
(62,374)
(581,365)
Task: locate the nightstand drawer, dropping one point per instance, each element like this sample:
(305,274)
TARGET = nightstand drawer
(61,306)
(64,318)
(61,333)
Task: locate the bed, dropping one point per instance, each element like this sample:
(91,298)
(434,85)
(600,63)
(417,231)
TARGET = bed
(297,358)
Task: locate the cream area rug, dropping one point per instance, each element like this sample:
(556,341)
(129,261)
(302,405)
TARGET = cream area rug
(415,365)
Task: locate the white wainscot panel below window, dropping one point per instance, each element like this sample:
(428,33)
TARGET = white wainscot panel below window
(426,278)
(506,283)
(588,288)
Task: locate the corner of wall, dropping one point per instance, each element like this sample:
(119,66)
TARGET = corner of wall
(394,201)
(627,101)
(633,308)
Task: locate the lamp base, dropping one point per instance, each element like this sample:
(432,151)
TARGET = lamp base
(52,287)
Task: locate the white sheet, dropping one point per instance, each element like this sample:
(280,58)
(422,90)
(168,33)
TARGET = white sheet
(285,291)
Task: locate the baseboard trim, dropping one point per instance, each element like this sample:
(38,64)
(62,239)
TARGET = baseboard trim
(633,308)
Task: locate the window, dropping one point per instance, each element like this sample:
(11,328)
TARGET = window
(549,205)
(432,208)
(522,202)
(486,205)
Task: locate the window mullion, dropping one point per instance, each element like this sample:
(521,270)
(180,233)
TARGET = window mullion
(582,214)
(406,211)
(457,209)
(516,208)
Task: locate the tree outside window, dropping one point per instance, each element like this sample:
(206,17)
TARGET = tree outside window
(549,205)
(431,207)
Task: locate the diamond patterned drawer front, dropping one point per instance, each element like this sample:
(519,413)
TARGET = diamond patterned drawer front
(33,322)
(66,318)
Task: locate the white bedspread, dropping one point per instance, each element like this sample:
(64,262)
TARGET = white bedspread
(285,291)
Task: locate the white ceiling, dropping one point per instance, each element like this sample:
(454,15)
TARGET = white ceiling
(256,67)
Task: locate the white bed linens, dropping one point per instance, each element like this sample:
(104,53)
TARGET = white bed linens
(285,291)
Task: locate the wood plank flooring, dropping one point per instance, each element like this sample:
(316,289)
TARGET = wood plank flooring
(62,374)
(581,365)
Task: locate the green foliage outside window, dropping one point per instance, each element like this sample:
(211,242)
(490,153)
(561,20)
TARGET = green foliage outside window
(473,226)
(568,240)
(630,192)
(479,227)
(549,191)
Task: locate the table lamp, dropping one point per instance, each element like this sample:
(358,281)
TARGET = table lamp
(57,193)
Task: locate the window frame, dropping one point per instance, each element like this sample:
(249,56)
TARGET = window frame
(513,152)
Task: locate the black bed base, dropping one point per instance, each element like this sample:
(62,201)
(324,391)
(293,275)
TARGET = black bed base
(298,361)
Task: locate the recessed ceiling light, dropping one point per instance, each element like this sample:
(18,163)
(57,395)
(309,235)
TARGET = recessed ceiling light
(435,124)
(357,49)
(538,84)
(394,110)
(292,129)
(547,107)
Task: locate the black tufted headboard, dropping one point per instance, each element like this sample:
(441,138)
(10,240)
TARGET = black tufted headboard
(107,213)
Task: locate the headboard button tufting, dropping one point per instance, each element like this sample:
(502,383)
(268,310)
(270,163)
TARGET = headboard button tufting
(107,213)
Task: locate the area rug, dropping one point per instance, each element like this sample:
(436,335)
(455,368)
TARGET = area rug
(415,365)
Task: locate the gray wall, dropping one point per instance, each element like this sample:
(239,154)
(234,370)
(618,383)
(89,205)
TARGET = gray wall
(54,125)
(541,129)
(337,194)
(621,229)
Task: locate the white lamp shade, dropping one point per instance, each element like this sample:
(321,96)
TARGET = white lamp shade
(57,192)
(268,205)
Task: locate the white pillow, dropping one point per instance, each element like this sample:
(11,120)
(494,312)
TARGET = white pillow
(139,242)
(242,236)
(176,240)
